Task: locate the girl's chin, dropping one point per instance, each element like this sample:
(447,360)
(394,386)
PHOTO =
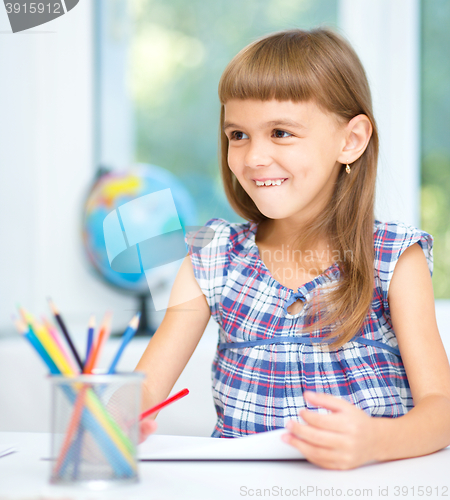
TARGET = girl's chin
(274,212)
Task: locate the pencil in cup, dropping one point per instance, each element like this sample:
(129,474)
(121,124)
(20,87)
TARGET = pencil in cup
(77,444)
(73,445)
(90,338)
(64,331)
(94,418)
(108,450)
(102,337)
(71,450)
(126,338)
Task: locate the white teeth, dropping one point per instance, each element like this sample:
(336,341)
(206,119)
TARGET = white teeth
(277,182)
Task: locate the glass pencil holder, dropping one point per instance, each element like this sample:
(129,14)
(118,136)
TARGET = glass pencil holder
(95,429)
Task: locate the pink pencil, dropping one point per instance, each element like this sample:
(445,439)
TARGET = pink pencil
(54,334)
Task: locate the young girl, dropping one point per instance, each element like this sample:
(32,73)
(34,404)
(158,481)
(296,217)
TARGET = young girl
(326,316)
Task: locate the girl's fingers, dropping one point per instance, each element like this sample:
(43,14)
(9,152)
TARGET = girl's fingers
(335,422)
(315,436)
(331,422)
(322,457)
(146,428)
(327,401)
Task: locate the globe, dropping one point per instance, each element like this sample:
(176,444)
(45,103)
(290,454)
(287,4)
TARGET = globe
(113,189)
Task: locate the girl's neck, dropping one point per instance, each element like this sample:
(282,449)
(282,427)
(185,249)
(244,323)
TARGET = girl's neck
(278,233)
(290,263)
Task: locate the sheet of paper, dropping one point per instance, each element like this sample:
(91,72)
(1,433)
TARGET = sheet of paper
(262,446)
(6,449)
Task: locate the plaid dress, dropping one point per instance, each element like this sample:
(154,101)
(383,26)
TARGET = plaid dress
(263,362)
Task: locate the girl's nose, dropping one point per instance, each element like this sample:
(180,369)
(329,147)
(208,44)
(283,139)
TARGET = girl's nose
(257,155)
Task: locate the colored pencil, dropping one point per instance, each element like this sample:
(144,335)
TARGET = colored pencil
(154,409)
(90,338)
(72,428)
(48,343)
(62,325)
(25,330)
(126,337)
(54,334)
(103,335)
(111,439)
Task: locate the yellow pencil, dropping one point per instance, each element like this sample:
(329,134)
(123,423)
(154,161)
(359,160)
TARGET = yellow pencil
(49,344)
(115,433)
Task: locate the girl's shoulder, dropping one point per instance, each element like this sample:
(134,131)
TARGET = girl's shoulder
(211,248)
(220,234)
(392,238)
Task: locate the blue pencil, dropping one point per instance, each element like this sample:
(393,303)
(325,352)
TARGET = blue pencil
(90,338)
(36,343)
(127,336)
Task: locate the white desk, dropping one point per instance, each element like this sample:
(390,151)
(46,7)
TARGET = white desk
(23,475)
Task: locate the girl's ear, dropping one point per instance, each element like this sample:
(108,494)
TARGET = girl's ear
(357,135)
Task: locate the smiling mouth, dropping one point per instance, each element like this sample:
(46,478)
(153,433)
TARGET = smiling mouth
(269,182)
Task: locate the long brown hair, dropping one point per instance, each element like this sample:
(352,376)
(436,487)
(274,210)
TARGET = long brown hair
(319,66)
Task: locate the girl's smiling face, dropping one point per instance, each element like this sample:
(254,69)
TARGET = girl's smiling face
(294,144)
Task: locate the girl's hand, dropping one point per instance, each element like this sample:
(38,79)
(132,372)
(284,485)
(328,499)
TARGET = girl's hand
(146,427)
(342,439)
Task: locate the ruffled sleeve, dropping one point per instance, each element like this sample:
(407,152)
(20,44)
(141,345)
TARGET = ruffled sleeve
(209,250)
(391,239)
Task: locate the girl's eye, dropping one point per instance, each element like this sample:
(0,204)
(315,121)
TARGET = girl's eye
(281,134)
(238,136)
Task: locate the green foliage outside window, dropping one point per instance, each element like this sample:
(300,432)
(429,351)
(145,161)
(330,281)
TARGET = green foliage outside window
(435,98)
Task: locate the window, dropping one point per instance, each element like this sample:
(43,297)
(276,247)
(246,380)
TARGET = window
(435,154)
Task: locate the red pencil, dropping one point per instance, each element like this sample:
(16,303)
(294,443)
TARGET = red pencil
(178,395)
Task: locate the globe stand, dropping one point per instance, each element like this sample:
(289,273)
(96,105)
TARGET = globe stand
(144,326)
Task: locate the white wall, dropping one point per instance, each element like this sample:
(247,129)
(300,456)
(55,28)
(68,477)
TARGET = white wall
(46,166)
(386,36)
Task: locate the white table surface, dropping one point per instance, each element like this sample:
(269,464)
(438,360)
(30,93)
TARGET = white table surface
(23,475)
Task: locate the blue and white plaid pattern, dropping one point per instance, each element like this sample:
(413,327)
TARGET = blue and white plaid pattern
(258,386)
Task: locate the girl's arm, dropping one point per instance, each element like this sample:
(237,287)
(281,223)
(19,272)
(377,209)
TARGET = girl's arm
(426,428)
(176,338)
(347,437)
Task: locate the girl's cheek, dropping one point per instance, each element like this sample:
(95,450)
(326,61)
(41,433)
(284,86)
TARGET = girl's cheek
(232,163)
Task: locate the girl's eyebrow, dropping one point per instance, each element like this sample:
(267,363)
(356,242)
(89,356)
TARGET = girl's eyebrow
(285,123)
(274,123)
(229,125)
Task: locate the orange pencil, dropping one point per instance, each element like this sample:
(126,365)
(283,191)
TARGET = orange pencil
(71,429)
(102,337)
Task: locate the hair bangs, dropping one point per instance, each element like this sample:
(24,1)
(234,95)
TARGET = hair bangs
(264,71)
